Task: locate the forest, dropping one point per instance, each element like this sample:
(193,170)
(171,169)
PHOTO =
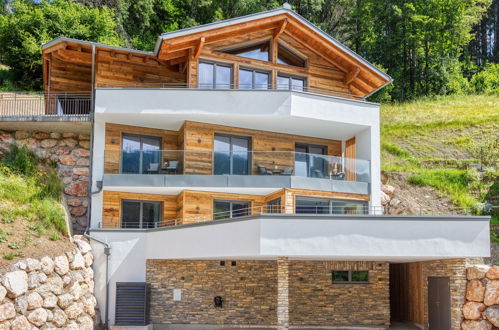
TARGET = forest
(429,47)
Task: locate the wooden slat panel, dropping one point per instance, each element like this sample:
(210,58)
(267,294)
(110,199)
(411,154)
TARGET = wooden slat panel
(350,154)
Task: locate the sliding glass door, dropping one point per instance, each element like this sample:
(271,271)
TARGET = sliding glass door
(310,161)
(231,155)
(140,154)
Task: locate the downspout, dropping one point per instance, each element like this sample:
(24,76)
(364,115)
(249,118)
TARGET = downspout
(107,248)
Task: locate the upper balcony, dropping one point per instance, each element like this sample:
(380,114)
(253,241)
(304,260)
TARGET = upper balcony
(38,106)
(231,169)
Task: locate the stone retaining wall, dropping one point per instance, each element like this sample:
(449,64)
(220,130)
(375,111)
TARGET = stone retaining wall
(50,293)
(481,310)
(71,153)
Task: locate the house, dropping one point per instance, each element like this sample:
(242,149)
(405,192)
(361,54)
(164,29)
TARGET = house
(236,172)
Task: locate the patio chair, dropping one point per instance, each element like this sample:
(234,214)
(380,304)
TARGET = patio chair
(339,176)
(262,170)
(316,173)
(287,171)
(153,168)
(172,167)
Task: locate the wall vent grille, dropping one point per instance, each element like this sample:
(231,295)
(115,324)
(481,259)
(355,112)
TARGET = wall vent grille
(131,303)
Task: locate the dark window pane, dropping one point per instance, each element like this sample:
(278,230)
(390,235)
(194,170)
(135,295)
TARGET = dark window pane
(349,207)
(312,206)
(130,161)
(257,52)
(141,154)
(151,214)
(245,79)
(274,206)
(223,77)
(205,75)
(360,276)
(222,155)
(240,156)
(297,84)
(340,276)
(221,210)
(240,209)
(130,214)
(286,57)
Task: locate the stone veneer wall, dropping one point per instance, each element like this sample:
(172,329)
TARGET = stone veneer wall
(71,153)
(316,301)
(481,310)
(50,293)
(455,269)
(249,291)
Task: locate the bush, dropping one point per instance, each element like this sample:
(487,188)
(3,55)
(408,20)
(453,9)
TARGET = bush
(487,80)
(21,160)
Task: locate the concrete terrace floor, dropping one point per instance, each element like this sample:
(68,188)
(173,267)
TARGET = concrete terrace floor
(394,326)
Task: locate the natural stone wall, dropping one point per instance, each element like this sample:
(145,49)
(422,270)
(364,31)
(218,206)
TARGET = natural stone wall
(481,310)
(256,293)
(71,153)
(316,301)
(248,289)
(51,292)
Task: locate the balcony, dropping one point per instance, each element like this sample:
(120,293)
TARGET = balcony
(39,106)
(395,238)
(257,169)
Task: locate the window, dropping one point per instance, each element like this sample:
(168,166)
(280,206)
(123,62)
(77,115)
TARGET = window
(350,276)
(231,155)
(140,154)
(274,206)
(310,160)
(258,51)
(140,214)
(287,57)
(214,75)
(230,209)
(253,79)
(308,205)
(289,82)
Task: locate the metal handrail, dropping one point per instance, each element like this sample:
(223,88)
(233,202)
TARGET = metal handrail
(45,104)
(231,86)
(302,210)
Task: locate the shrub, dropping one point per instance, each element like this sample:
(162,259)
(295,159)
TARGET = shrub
(21,160)
(487,80)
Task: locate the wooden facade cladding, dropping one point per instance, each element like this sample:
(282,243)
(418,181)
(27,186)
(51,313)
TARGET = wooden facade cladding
(329,67)
(197,139)
(191,206)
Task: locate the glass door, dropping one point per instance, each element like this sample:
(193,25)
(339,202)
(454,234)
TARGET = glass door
(231,155)
(310,161)
(140,154)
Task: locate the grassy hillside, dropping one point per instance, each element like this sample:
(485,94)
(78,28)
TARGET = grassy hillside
(435,139)
(32,219)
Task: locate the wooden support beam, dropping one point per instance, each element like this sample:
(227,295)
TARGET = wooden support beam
(57,47)
(199,48)
(280,30)
(350,76)
(178,60)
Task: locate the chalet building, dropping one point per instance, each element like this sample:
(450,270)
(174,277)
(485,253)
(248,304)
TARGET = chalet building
(235,181)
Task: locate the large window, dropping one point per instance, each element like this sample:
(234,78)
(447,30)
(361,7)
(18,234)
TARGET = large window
(140,214)
(308,205)
(287,57)
(214,76)
(290,82)
(258,51)
(310,160)
(230,209)
(350,276)
(253,79)
(140,154)
(232,155)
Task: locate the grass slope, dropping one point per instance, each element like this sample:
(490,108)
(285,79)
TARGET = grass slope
(32,218)
(434,139)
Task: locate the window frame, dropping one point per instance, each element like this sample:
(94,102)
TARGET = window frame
(141,202)
(330,204)
(349,281)
(253,71)
(214,81)
(290,78)
(141,150)
(293,53)
(248,45)
(231,210)
(250,152)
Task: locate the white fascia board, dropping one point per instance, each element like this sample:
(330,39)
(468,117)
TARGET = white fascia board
(60,39)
